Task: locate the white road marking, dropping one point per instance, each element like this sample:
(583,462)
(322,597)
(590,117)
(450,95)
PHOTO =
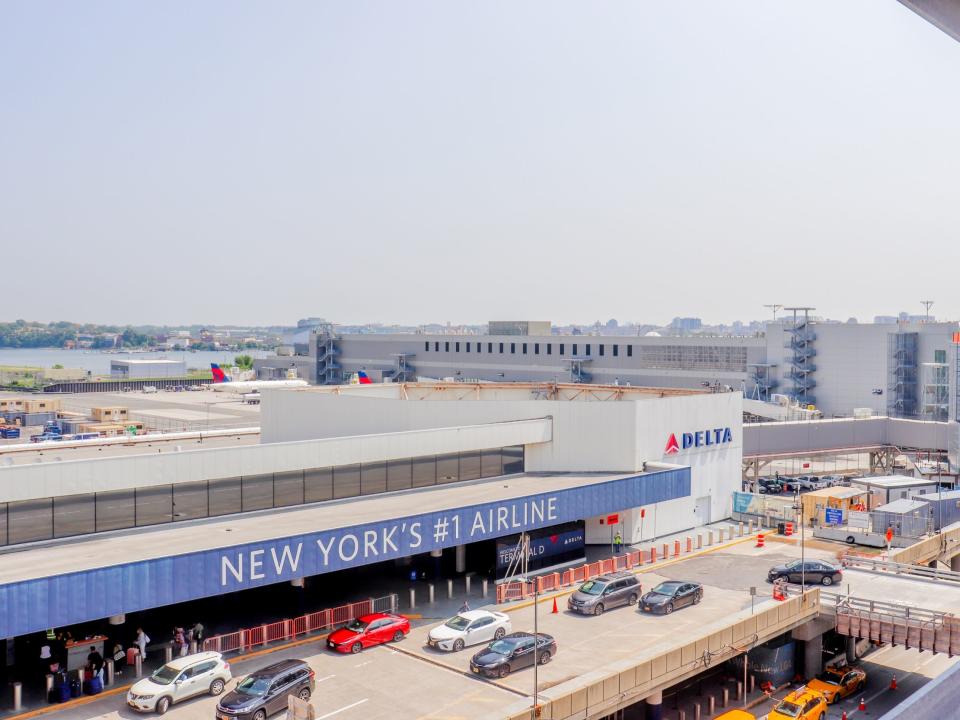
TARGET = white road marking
(320,680)
(345,707)
(363,663)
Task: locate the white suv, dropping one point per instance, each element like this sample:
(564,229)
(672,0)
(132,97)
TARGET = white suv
(205,672)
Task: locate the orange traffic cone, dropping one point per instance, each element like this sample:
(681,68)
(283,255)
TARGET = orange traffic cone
(844,715)
(554,611)
(862,706)
(893,683)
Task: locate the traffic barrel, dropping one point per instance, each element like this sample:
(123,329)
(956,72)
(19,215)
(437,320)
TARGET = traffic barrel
(760,540)
(788,529)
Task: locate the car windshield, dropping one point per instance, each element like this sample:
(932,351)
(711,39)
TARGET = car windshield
(357,626)
(829,678)
(503,647)
(666,588)
(592,588)
(457,623)
(790,709)
(165,675)
(792,564)
(253,685)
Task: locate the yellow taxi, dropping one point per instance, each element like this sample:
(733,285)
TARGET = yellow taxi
(802,704)
(736,715)
(837,683)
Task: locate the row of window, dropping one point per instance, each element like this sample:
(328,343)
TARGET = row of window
(47,518)
(511,348)
(676,357)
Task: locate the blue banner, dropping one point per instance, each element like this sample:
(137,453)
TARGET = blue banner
(61,600)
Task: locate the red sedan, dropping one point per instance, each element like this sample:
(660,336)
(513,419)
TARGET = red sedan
(367,631)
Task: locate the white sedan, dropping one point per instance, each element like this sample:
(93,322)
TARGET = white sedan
(469,628)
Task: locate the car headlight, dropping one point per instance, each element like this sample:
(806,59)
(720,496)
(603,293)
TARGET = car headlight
(146,697)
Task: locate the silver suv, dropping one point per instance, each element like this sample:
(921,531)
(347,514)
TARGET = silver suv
(604,592)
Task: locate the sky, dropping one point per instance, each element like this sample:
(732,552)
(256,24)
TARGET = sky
(409,162)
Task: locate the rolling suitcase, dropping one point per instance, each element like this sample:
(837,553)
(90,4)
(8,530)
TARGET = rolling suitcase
(76,688)
(63,692)
(94,686)
(132,656)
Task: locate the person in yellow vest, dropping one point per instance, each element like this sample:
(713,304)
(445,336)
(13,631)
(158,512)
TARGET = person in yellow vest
(617,543)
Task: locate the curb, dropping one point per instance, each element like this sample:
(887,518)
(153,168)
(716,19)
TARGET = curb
(450,668)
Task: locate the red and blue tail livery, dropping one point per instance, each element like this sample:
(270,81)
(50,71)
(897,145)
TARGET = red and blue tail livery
(218,375)
(363,378)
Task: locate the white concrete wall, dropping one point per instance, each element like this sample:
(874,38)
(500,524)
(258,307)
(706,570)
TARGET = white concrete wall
(72,477)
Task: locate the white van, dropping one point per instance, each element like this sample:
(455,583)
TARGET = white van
(149,388)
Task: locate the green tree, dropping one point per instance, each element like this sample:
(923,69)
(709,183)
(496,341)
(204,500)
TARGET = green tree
(244,362)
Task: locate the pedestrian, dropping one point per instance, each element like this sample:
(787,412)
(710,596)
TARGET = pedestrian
(141,642)
(617,543)
(180,641)
(198,632)
(95,662)
(465,607)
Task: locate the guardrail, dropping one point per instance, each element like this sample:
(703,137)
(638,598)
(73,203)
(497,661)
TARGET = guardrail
(880,565)
(247,638)
(527,588)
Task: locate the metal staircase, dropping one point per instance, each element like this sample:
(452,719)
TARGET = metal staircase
(329,371)
(800,345)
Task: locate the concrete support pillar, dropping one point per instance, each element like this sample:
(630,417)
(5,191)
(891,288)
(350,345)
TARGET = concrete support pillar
(108,672)
(461,558)
(484,585)
(955,563)
(449,589)
(138,665)
(741,530)
(851,650)
(812,656)
(711,705)
(699,541)
(467,580)
(168,653)
(726,697)
(17,697)
(413,597)
(655,706)
(430,593)
(709,538)
(49,680)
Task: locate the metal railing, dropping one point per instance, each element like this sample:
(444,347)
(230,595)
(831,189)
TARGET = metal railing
(880,565)
(281,630)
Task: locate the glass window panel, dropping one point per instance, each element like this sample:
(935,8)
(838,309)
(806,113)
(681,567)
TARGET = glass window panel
(3,523)
(115,510)
(288,488)
(257,492)
(424,472)
(448,468)
(30,520)
(373,478)
(490,463)
(470,465)
(224,496)
(399,474)
(74,515)
(190,500)
(154,505)
(513,459)
(318,485)
(346,481)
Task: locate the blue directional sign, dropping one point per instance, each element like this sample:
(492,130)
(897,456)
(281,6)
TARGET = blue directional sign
(34,605)
(833,516)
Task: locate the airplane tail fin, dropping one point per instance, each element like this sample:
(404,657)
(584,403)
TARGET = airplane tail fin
(218,375)
(363,378)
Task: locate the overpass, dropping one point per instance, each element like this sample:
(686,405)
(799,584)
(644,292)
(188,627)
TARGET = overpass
(881,437)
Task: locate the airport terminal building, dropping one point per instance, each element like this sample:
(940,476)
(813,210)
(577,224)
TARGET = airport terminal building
(398,476)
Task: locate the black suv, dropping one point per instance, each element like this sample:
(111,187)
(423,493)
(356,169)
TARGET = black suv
(770,486)
(265,691)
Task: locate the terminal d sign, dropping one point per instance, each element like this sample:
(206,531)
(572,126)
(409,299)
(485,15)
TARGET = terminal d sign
(699,438)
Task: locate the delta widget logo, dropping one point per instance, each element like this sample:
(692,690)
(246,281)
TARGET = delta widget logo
(700,438)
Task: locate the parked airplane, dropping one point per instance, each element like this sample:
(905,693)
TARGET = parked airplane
(221,383)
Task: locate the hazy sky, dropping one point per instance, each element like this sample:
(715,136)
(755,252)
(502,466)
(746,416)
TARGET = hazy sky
(428,161)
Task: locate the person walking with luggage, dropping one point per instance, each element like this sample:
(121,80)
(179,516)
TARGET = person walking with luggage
(180,641)
(141,642)
(95,662)
(198,633)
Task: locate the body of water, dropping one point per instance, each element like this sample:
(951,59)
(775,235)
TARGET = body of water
(98,362)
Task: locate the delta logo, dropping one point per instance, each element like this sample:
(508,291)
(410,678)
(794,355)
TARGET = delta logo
(700,438)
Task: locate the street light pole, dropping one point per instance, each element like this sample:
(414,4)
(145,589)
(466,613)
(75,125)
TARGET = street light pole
(536,636)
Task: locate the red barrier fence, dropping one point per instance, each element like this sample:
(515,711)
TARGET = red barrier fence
(303,625)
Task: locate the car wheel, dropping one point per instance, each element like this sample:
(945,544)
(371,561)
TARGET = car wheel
(827,580)
(356,647)
(503,671)
(633,599)
(598,610)
(851,539)
(698,597)
(500,633)
(544,657)
(304,694)
(398,636)
(458,646)
(163,704)
(260,714)
(669,608)
(216,687)
(834,699)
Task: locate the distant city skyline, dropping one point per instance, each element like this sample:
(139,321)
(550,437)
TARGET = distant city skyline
(400,161)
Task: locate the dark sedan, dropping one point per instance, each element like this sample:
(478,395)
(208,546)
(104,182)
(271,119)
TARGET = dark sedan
(810,571)
(265,691)
(668,596)
(513,652)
